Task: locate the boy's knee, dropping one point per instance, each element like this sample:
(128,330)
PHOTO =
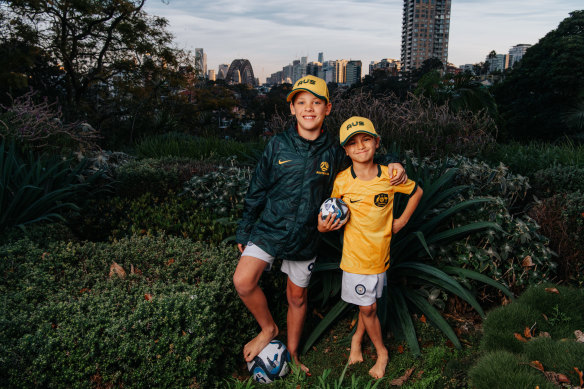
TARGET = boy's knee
(242,284)
(368,311)
(297,298)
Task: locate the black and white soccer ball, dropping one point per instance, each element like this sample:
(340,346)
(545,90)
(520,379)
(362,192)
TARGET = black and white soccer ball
(272,363)
(337,207)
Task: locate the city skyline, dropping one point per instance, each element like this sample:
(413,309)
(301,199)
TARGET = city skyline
(271,34)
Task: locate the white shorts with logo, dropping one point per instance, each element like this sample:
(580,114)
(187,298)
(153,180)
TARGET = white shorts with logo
(299,272)
(362,289)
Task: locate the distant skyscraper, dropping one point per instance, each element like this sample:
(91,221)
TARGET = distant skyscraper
(498,62)
(200,62)
(211,75)
(353,72)
(517,52)
(425,30)
(321,57)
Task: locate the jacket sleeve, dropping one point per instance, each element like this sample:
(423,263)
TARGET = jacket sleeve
(255,199)
(386,159)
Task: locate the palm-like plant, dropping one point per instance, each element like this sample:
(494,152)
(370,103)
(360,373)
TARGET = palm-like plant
(35,189)
(410,272)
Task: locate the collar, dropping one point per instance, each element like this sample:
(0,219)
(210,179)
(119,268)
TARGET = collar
(378,171)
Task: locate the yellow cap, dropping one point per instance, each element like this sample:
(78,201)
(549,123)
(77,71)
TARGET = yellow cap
(356,125)
(316,86)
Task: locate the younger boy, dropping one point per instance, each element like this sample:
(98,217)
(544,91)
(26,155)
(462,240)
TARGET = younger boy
(368,192)
(293,177)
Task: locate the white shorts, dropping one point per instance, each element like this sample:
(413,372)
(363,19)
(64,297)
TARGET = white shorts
(362,289)
(299,272)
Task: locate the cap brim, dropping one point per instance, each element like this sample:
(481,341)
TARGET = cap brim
(291,94)
(358,132)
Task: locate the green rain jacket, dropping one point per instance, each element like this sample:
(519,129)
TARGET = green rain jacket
(291,180)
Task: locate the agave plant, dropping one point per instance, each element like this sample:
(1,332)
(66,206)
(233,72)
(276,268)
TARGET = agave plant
(411,271)
(35,189)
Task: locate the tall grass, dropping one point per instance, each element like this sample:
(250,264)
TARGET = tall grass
(188,146)
(526,159)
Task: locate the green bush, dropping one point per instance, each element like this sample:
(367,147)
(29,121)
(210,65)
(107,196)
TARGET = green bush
(175,144)
(150,215)
(549,181)
(503,370)
(167,323)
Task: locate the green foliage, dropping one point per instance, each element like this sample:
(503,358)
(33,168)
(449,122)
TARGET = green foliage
(166,323)
(407,274)
(187,146)
(545,84)
(554,179)
(149,214)
(35,189)
(502,369)
(527,159)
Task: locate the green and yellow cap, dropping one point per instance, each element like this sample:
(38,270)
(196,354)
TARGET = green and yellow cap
(356,125)
(316,86)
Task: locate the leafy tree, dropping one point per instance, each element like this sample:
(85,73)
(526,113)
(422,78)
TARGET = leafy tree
(545,84)
(92,41)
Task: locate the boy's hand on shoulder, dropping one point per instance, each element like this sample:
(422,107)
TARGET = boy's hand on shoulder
(398,224)
(398,174)
(328,224)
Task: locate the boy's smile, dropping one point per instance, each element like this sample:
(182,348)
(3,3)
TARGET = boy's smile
(361,147)
(310,112)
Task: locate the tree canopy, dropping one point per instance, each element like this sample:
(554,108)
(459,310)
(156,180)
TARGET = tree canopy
(546,85)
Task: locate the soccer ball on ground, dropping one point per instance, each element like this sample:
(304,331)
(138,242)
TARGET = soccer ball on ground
(337,207)
(272,363)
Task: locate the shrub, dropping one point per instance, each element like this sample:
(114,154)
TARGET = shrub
(547,182)
(167,323)
(38,126)
(175,144)
(148,214)
(35,189)
(562,219)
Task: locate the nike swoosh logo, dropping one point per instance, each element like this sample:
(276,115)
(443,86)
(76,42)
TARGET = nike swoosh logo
(356,201)
(281,162)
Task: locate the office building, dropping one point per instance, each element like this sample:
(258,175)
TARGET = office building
(517,52)
(353,72)
(425,30)
(200,62)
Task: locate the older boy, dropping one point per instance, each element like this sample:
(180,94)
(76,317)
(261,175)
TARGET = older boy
(294,175)
(367,189)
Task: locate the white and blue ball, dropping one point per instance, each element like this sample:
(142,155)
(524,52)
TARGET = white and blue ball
(272,363)
(337,207)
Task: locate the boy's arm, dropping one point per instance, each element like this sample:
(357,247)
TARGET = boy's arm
(255,199)
(413,202)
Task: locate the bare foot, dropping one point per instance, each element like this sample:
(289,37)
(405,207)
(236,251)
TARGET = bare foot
(356,355)
(257,344)
(378,370)
(300,364)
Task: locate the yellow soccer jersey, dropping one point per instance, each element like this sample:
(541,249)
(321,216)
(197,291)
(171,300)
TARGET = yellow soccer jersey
(368,232)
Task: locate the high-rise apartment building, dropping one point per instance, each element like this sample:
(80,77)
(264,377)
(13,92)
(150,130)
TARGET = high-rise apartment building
(201,62)
(425,29)
(321,57)
(517,52)
(353,72)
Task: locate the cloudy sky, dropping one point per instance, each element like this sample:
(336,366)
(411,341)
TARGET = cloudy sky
(272,33)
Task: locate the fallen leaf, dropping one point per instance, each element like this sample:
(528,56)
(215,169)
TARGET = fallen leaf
(519,337)
(527,333)
(83,290)
(545,316)
(423,319)
(317,313)
(117,270)
(147,296)
(326,350)
(563,378)
(505,301)
(170,262)
(527,262)
(135,270)
(544,334)
(580,376)
(401,380)
(537,365)
(419,374)
(552,290)
(579,336)
(400,349)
